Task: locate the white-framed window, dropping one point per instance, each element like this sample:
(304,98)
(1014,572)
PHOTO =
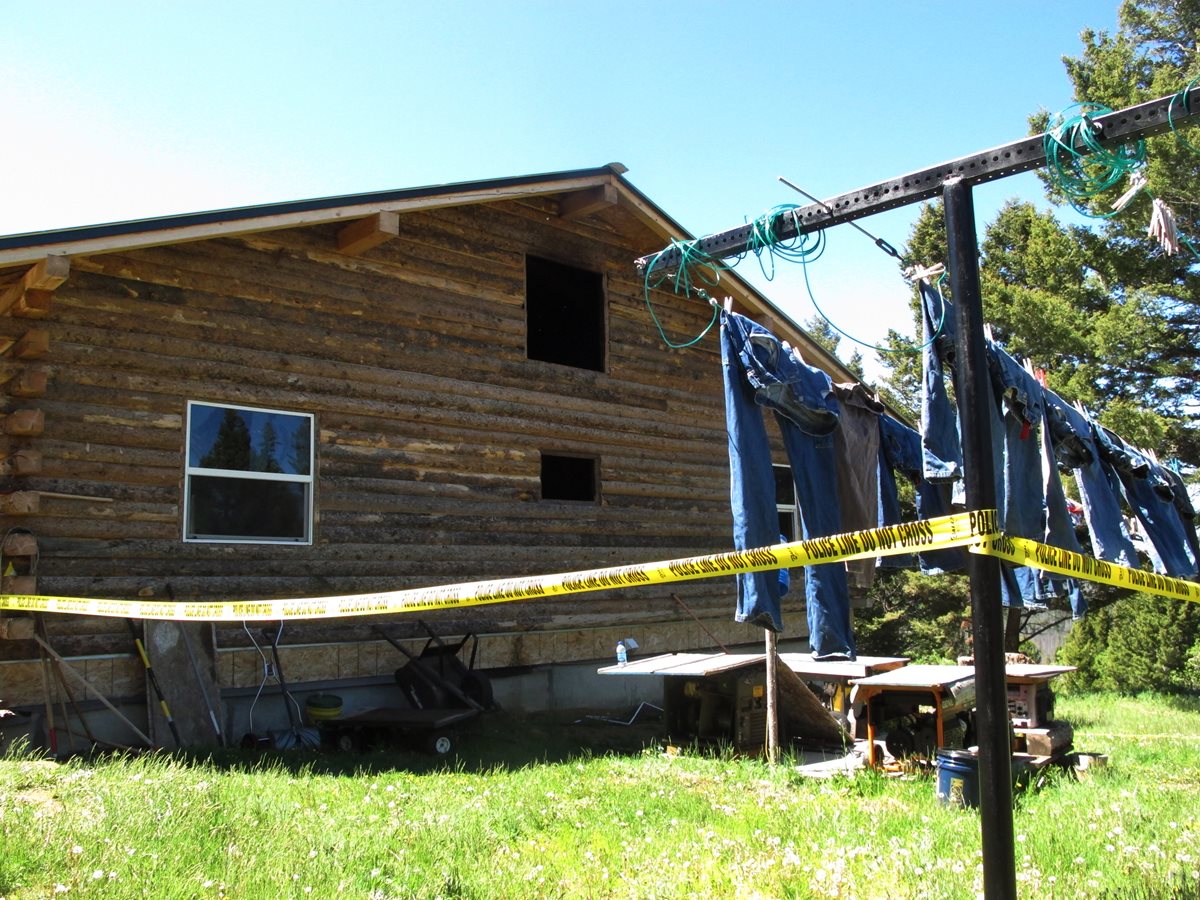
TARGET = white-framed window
(785,503)
(248,475)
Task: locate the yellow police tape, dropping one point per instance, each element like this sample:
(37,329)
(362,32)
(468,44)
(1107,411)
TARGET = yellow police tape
(946,531)
(1025,552)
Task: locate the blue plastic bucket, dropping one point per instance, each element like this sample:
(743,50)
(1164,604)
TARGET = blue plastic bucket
(958,777)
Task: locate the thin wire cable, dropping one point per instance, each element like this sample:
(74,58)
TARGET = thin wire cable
(936,332)
(877,241)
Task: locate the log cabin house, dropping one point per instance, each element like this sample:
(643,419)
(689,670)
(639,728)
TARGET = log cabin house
(444,384)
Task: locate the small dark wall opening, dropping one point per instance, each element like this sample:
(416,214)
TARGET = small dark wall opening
(568,478)
(564,314)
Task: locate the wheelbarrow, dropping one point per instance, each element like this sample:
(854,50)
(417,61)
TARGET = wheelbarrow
(439,690)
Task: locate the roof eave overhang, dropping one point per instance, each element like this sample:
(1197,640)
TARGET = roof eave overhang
(113,237)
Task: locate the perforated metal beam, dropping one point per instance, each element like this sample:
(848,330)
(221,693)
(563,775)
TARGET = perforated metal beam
(1124,125)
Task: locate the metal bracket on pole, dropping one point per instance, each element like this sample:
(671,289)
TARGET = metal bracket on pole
(1113,129)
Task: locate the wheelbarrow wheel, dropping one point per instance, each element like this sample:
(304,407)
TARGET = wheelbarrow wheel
(439,743)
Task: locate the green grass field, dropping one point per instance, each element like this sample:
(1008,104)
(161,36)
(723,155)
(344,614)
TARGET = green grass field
(528,811)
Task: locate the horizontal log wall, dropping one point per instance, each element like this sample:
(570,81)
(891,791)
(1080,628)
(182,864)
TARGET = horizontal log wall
(430,424)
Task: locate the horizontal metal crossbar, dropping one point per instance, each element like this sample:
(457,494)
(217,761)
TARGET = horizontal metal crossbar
(1113,129)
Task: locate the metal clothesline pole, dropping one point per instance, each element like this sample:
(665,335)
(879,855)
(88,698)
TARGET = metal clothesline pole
(972,392)
(953,181)
(1112,129)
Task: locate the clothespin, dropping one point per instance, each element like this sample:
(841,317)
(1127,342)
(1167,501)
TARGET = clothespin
(1162,227)
(728,304)
(987,331)
(1137,183)
(916,273)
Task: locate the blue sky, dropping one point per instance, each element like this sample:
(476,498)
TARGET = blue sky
(123,110)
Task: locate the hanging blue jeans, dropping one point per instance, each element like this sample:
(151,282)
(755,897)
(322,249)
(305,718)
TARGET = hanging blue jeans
(1150,497)
(760,372)
(1075,448)
(1187,512)
(939,424)
(1060,528)
(901,451)
(1024,504)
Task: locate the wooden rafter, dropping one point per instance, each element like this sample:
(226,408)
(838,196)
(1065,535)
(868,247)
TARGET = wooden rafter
(359,237)
(31,295)
(579,204)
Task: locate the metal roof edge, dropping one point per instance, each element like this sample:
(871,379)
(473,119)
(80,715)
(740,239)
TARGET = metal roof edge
(50,239)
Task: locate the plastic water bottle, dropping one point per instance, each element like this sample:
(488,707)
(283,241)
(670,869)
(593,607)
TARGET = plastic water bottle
(622,655)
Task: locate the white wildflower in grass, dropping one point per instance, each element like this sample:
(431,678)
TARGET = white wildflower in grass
(76,850)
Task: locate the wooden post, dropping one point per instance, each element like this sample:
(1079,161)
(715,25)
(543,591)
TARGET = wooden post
(772,642)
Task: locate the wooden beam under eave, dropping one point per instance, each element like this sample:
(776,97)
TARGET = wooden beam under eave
(359,237)
(44,275)
(583,203)
(48,273)
(33,304)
